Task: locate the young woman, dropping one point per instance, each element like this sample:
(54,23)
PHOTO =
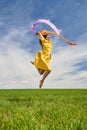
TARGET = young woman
(43,57)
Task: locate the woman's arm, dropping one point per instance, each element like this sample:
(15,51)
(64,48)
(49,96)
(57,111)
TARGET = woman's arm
(62,37)
(54,33)
(66,40)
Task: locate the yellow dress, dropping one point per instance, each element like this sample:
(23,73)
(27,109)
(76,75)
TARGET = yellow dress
(43,57)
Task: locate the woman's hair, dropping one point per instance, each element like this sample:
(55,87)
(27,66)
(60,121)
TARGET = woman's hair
(41,41)
(45,36)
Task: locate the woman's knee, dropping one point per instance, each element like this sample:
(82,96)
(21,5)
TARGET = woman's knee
(41,72)
(49,71)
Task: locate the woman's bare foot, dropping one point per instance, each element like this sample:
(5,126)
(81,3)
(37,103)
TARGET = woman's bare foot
(32,62)
(41,83)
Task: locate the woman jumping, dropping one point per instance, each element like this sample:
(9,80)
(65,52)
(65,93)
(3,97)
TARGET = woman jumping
(43,57)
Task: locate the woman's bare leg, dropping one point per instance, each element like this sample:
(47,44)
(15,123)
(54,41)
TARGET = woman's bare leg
(39,70)
(45,74)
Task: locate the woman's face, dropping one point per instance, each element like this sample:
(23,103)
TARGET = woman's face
(48,38)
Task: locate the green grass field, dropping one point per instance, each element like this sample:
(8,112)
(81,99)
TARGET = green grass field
(43,109)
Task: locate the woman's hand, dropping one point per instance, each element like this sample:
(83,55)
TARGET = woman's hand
(37,33)
(71,43)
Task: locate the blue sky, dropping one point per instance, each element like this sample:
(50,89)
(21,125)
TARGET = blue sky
(18,45)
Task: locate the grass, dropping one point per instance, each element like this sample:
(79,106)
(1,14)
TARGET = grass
(43,109)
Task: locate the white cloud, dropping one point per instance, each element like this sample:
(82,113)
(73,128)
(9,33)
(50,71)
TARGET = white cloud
(17,72)
(15,68)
